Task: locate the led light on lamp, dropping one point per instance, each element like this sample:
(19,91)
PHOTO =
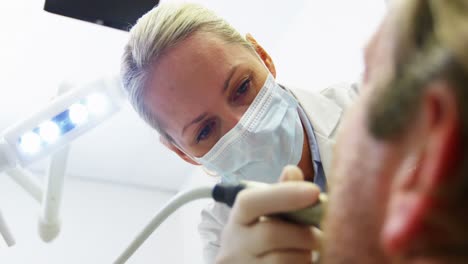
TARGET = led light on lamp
(30,143)
(49,131)
(78,114)
(97,104)
(68,116)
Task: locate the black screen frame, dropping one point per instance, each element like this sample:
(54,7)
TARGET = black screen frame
(118,14)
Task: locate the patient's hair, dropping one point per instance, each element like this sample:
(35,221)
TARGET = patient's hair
(155,33)
(432,44)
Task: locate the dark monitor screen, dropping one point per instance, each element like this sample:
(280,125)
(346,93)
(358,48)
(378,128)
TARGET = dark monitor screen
(120,14)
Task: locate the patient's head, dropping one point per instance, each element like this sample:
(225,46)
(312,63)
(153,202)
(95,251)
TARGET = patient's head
(399,190)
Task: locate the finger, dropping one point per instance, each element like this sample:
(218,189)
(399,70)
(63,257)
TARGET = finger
(275,234)
(318,238)
(287,257)
(291,173)
(252,203)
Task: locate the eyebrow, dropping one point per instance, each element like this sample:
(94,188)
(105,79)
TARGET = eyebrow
(199,118)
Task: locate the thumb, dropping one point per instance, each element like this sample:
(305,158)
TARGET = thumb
(291,173)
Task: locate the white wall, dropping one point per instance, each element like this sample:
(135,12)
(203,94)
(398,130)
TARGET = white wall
(324,42)
(99,220)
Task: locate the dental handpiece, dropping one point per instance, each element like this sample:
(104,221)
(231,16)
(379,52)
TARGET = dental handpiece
(224,193)
(311,215)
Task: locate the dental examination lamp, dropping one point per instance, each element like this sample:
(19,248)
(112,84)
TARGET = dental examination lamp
(48,132)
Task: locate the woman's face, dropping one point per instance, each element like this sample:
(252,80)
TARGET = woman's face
(200,89)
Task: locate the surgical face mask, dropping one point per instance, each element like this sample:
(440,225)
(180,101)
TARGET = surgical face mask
(268,137)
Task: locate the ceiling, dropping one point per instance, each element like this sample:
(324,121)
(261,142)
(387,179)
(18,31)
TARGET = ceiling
(40,50)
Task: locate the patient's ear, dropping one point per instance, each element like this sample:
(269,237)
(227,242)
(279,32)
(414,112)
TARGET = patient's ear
(434,149)
(262,53)
(175,149)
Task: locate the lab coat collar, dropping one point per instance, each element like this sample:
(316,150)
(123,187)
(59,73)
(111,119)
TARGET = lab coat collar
(323,113)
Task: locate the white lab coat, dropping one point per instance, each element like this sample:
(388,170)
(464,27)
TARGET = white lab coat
(325,110)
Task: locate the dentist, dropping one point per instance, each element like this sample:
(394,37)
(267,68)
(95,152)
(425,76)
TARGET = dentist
(211,94)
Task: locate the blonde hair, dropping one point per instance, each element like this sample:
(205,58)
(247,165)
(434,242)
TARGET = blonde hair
(155,33)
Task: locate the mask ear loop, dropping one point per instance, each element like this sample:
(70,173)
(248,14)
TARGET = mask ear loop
(206,170)
(209,172)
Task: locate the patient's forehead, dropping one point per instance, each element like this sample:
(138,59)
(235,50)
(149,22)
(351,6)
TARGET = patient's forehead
(379,54)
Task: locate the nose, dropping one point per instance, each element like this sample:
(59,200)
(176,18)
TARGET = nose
(230,116)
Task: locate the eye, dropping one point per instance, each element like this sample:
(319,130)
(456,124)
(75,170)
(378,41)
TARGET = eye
(243,88)
(205,132)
